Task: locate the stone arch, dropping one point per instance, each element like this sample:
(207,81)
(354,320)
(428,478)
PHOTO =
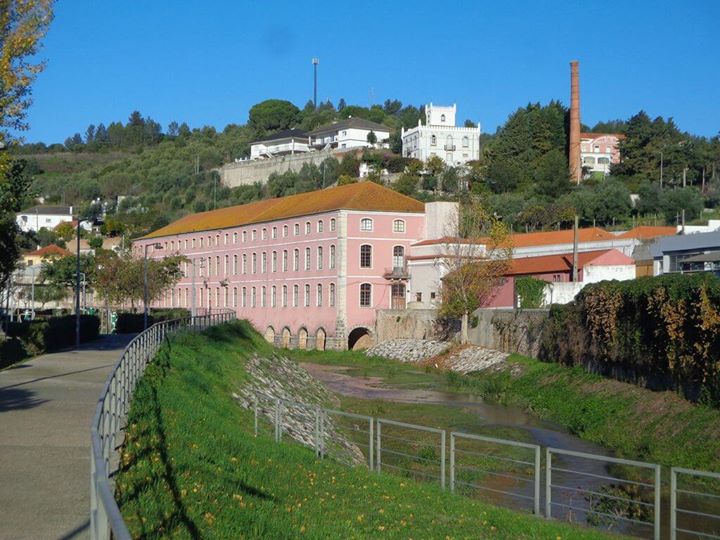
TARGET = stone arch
(320,337)
(285,338)
(360,338)
(302,338)
(270,334)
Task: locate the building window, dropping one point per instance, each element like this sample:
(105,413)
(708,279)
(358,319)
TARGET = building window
(285,231)
(217,240)
(366,224)
(234,268)
(253,235)
(442,117)
(263,290)
(296,229)
(225,265)
(254,263)
(319,295)
(332,224)
(201,241)
(365,256)
(225,239)
(332,257)
(465,142)
(398,257)
(332,295)
(273,263)
(296,260)
(273,296)
(192,243)
(263,264)
(319,258)
(284,260)
(284,296)
(307,258)
(274,232)
(244,236)
(320,226)
(307,227)
(253,299)
(296,295)
(243,297)
(226,299)
(234,238)
(307,295)
(433,140)
(244,263)
(234,304)
(365,294)
(399,226)
(217,266)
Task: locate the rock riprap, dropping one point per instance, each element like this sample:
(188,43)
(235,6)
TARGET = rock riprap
(301,396)
(465,360)
(409,350)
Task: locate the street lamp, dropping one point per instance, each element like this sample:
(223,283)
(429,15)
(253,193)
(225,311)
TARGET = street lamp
(157,245)
(77,284)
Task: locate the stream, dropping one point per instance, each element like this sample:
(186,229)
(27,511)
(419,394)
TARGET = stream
(540,432)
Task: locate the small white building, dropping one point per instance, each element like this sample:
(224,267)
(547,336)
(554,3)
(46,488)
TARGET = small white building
(349,133)
(49,217)
(287,142)
(441,137)
(599,151)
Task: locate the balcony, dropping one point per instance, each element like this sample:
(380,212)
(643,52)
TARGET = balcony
(399,273)
(449,147)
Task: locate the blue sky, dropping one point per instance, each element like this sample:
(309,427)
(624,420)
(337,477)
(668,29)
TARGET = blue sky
(207,63)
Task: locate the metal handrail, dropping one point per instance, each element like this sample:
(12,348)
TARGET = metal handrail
(106,520)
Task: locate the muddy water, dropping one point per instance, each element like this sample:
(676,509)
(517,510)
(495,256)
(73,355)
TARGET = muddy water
(340,380)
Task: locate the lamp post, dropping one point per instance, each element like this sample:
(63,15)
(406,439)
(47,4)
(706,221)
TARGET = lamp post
(77,284)
(157,245)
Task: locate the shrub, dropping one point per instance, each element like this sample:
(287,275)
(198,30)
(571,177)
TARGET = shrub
(663,332)
(55,333)
(130,323)
(530,290)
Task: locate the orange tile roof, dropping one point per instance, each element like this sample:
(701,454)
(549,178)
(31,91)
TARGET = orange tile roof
(367,196)
(49,251)
(554,263)
(543,238)
(645,232)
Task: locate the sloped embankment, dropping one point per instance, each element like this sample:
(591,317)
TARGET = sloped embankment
(273,378)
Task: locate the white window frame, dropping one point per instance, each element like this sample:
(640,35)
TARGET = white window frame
(369,305)
(364,227)
(398,225)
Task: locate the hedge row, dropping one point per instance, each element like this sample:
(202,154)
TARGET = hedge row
(130,323)
(662,332)
(55,333)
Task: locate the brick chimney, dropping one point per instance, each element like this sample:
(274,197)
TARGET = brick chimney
(574,149)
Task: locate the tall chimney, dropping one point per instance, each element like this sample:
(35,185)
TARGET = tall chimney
(574,151)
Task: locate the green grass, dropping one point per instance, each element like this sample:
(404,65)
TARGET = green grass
(191,469)
(636,423)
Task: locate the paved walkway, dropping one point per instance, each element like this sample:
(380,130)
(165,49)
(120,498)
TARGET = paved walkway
(46,405)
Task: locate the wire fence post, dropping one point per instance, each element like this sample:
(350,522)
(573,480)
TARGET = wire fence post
(656,515)
(536,503)
(378,446)
(255,411)
(317,431)
(452,463)
(673,503)
(442,459)
(371,446)
(548,484)
(277,421)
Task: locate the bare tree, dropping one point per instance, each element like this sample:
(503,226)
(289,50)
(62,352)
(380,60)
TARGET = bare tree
(477,254)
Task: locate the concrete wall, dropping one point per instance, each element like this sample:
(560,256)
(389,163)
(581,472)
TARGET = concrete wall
(509,330)
(404,324)
(248,172)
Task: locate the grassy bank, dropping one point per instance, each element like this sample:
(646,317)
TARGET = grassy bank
(191,469)
(636,423)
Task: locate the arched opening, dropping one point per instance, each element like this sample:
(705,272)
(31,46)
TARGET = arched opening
(320,339)
(359,338)
(302,339)
(270,334)
(285,344)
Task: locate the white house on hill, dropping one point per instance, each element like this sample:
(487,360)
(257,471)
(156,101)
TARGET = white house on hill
(289,141)
(49,217)
(348,133)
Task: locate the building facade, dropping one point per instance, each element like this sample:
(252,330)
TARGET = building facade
(439,136)
(598,151)
(282,143)
(308,270)
(349,133)
(48,217)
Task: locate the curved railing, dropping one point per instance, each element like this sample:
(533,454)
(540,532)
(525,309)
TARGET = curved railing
(113,404)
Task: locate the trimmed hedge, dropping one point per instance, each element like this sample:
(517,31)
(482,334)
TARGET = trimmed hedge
(131,323)
(662,332)
(49,335)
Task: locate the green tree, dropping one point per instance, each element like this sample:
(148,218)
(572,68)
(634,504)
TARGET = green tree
(272,115)
(674,201)
(12,191)
(371,138)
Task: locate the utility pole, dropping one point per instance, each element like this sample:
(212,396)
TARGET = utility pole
(315,62)
(77,286)
(661,169)
(145,282)
(575,251)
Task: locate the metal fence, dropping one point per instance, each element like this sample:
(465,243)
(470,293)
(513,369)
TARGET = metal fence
(703,490)
(110,413)
(600,491)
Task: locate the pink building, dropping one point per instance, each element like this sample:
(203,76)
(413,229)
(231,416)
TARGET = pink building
(599,150)
(308,270)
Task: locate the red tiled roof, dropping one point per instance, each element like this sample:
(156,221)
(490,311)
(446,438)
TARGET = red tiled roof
(547,264)
(359,196)
(598,135)
(543,238)
(49,251)
(645,232)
